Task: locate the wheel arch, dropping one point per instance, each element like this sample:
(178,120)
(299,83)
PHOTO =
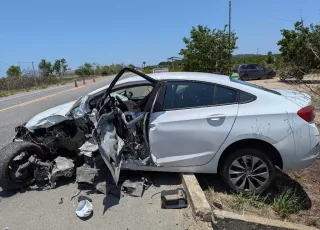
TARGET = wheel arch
(264,146)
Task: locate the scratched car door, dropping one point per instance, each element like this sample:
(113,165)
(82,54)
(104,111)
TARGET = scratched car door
(195,120)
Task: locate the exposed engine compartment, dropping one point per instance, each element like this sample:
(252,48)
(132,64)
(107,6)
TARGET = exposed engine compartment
(62,139)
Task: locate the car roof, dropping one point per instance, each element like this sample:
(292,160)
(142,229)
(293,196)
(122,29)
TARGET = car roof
(190,76)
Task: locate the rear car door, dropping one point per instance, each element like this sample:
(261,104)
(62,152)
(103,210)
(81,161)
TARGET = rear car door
(252,72)
(261,72)
(194,121)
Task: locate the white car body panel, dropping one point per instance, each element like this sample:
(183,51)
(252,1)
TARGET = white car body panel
(190,137)
(174,134)
(50,117)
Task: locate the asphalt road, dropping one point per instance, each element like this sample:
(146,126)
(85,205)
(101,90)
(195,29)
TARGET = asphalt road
(52,209)
(19,108)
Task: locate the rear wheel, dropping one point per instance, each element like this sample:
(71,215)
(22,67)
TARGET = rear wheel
(248,170)
(12,157)
(244,77)
(270,75)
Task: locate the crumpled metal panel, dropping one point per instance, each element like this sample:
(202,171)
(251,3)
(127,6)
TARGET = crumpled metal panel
(88,148)
(50,117)
(62,167)
(110,149)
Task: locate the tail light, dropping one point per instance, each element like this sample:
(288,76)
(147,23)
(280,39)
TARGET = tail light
(307,113)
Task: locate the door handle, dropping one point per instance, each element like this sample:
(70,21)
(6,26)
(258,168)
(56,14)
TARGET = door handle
(216,117)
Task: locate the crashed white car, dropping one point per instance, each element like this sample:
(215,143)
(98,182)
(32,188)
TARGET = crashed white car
(173,122)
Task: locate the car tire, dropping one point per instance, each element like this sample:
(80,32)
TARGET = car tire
(244,77)
(7,155)
(270,75)
(259,176)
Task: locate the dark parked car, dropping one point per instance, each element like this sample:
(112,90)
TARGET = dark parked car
(253,71)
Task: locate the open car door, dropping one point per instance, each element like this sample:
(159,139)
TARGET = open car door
(114,133)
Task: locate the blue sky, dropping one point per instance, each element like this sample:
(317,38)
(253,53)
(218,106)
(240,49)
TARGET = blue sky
(135,31)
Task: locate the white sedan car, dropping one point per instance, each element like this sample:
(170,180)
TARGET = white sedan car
(184,122)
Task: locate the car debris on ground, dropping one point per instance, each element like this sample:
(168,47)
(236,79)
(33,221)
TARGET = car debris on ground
(84,208)
(102,187)
(63,167)
(133,187)
(174,199)
(85,174)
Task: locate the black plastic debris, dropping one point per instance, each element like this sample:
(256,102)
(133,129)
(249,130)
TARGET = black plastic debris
(174,199)
(86,175)
(133,187)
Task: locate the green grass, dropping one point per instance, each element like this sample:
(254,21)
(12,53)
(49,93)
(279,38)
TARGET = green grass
(240,200)
(287,202)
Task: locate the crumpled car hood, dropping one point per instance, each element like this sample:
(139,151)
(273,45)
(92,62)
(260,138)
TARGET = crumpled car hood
(50,117)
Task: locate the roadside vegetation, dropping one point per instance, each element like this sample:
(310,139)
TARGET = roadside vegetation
(48,74)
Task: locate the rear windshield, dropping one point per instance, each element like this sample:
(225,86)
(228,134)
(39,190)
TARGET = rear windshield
(255,86)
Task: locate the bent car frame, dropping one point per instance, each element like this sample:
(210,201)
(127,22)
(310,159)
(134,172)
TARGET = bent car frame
(173,122)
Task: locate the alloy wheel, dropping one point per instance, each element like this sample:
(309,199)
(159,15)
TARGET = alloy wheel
(248,173)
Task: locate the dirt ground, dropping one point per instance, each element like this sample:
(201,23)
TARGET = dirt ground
(305,182)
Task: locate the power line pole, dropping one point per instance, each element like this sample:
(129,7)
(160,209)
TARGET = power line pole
(230,30)
(34,74)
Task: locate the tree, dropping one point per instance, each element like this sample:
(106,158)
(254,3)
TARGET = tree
(97,70)
(208,50)
(80,71)
(270,58)
(45,68)
(85,70)
(14,71)
(105,70)
(115,68)
(64,65)
(57,67)
(94,65)
(131,66)
(88,69)
(300,47)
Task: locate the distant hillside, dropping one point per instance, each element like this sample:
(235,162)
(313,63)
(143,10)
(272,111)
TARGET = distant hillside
(246,55)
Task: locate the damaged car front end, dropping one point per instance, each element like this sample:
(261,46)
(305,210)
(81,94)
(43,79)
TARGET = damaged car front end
(104,124)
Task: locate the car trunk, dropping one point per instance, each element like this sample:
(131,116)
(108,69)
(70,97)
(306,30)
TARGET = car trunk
(299,98)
